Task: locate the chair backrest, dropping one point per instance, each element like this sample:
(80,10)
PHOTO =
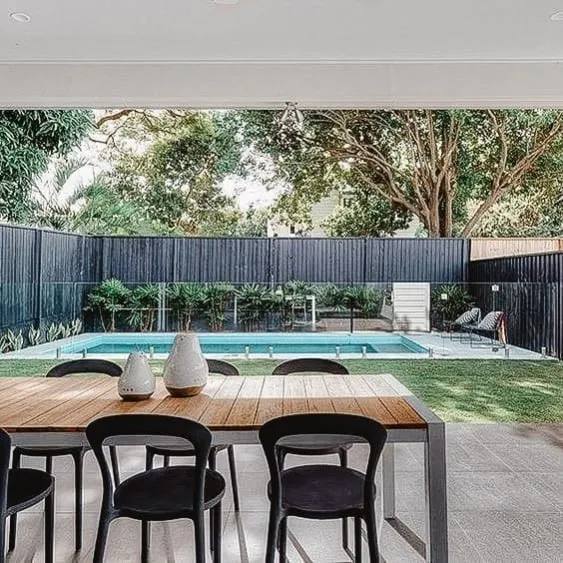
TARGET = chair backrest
(309,365)
(150,425)
(5,451)
(469,317)
(490,321)
(318,424)
(221,367)
(90,365)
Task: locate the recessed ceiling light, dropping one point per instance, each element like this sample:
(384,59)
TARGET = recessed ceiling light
(20,17)
(226,2)
(557,17)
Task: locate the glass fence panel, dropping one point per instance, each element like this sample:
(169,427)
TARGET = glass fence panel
(442,320)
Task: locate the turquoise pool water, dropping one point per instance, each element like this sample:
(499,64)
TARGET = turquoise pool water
(236,344)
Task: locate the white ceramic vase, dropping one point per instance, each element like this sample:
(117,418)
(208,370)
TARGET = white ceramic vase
(137,381)
(185,370)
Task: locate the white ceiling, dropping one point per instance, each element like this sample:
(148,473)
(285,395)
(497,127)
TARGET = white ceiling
(262,52)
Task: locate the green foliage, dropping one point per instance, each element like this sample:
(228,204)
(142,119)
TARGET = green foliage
(108,299)
(366,301)
(143,304)
(365,214)
(185,300)
(28,139)
(176,179)
(34,336)
(215,299)
(526,213)
(11,341)
(428,164)
(458,301)
(53,332)
(76,327)
(253,302)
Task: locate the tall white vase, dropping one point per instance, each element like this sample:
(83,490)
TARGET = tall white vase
(137,381)
(185,370)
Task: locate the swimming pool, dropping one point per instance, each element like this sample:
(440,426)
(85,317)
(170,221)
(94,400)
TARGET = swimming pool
(256,345)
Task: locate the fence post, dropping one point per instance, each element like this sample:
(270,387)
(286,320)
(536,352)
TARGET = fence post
(39,275)
(161,316)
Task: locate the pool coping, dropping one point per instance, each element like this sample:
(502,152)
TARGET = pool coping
(440,349)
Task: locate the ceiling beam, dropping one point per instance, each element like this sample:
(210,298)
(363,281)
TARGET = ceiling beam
(270,84)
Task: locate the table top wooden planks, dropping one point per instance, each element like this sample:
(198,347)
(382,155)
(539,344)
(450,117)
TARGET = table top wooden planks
(31,404)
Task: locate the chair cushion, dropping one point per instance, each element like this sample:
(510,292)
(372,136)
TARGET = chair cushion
(469,317)
(27,487)
(166,493)
(322,491)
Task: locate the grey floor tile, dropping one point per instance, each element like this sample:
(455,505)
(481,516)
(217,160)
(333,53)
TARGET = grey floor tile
(542,458)
(495,491)
(509,434)
(506,537)
(473,456)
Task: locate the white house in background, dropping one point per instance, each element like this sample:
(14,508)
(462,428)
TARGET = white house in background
(319,212)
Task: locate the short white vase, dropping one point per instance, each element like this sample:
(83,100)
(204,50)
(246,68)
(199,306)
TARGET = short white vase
(185,370)
(137,381)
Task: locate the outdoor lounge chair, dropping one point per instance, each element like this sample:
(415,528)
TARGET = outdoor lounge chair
(464,322)
(490,325)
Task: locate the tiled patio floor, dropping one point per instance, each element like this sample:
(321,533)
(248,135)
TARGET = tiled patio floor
(505,486)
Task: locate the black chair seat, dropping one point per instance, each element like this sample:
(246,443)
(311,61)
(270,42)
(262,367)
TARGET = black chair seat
(322,491)
(27,487)
(180,451)
(314,445)
(52,451)
(166,493)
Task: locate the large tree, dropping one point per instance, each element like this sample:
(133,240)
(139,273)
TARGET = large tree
(172,164)
(28,140)
(430,164)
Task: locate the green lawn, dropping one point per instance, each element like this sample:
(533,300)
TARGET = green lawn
(457,390)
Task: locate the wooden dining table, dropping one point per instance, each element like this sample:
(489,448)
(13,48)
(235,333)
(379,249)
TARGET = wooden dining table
(55,412)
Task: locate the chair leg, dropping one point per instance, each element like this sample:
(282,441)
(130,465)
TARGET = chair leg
(233,470)
(49,464)
(283,540)
(16,463)
(216,532)
(343,455)
(144,542)
(50,527)
(371,526)
(213,459)
(199,529)
(149,460)
(358,540)
(273,530)
(78,487)
(101,538)
(114,464)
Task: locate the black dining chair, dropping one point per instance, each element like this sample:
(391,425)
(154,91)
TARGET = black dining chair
(305,445)
(21,489)
(77,452)
(322,492)
(165,493)
(219,367)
